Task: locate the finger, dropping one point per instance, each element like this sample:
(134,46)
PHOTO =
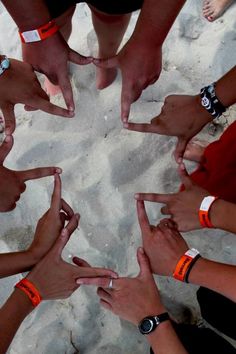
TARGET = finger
(28,108)
(66,208)
(186,180)
(143,218)
(56,194)
(104,295)
(168,223)
(99,282)
(143,262)
(65,236)
(165,211)
(140,127)
(36,173)
(126,101)
(93,272)
(63,218)
(73,223)
(107,63)
(180,149)
(48,107)
(80,262)
(6,147)
(9,119)
(66,89)
(106,305)
(154,197)
(79,59)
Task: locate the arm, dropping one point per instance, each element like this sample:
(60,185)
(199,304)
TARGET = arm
(133,299)
(12,314)
(49,56)
(164,246)
(188,112)
(183,206)
(153,25)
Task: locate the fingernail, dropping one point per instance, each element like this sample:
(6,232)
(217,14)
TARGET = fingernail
(58,170)
(115,276)
(71,113)
(79,281)
(125,125)
(77,215)
(63,232)
(7,139)
(96,61)
(141,250)
(136,196)
(71,109)
(179,160)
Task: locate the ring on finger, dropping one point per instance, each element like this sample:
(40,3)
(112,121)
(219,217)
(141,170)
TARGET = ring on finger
(110,285)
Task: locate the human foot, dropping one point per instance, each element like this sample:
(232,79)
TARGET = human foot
(105,77)
(195,150)
(212,9)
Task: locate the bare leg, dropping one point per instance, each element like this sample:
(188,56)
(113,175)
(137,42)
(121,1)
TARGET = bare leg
(110,30)
(212,9)
(64,22)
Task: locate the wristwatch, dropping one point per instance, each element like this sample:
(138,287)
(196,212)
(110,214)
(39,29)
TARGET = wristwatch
(150,323)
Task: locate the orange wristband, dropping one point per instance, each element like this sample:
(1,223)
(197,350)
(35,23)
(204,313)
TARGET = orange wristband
(204,211)
(184,263)
(30,290)
(40,33)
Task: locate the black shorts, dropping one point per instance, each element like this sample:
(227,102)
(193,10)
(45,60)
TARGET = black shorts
(112,7)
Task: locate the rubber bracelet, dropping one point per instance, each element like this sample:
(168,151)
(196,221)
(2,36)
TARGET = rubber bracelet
(30,290)
(40,33)
(204,209)
(4,64)
(210,101)
(184,263)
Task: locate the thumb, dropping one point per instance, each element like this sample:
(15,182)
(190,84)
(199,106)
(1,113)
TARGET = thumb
(61,242)
(143,262)
(186,180)
(79,59)
(180,149)
(107,63)
(6,147)
(9,119)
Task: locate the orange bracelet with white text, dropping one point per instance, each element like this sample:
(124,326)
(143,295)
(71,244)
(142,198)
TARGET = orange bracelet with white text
(204,209)
(30,290)
(39,33)
(185,264)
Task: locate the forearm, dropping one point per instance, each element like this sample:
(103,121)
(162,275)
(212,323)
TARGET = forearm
(16,262)
(225,88)
(216,276)
(27,14)
(155,20)
(164,340)
(222,215)
(12,314)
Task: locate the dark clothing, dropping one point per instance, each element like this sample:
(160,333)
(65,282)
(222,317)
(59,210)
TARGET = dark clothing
(112,7)
(220,313)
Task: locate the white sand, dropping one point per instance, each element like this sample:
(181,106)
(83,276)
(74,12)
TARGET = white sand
(103,167)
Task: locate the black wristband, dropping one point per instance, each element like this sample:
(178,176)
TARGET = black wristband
(190,267)
(210,101)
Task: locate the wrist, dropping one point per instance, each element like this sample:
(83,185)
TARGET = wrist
(22,300)
(203,114)
(152,311)
(198,271)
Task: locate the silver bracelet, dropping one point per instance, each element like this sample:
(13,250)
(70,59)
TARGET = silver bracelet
(4,64)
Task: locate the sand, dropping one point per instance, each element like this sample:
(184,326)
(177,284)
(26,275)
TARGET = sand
(104,166)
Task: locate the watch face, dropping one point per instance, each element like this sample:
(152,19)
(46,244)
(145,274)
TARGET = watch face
(146,326)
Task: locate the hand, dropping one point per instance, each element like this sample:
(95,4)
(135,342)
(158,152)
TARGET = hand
(163,244)
(182,206)
(181,116)
(51,223)
(51,57)
(130,298)
(19,84)
(140,67)
(12,183)
(55,278)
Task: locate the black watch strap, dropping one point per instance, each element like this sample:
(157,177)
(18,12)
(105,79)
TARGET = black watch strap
(150,323)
